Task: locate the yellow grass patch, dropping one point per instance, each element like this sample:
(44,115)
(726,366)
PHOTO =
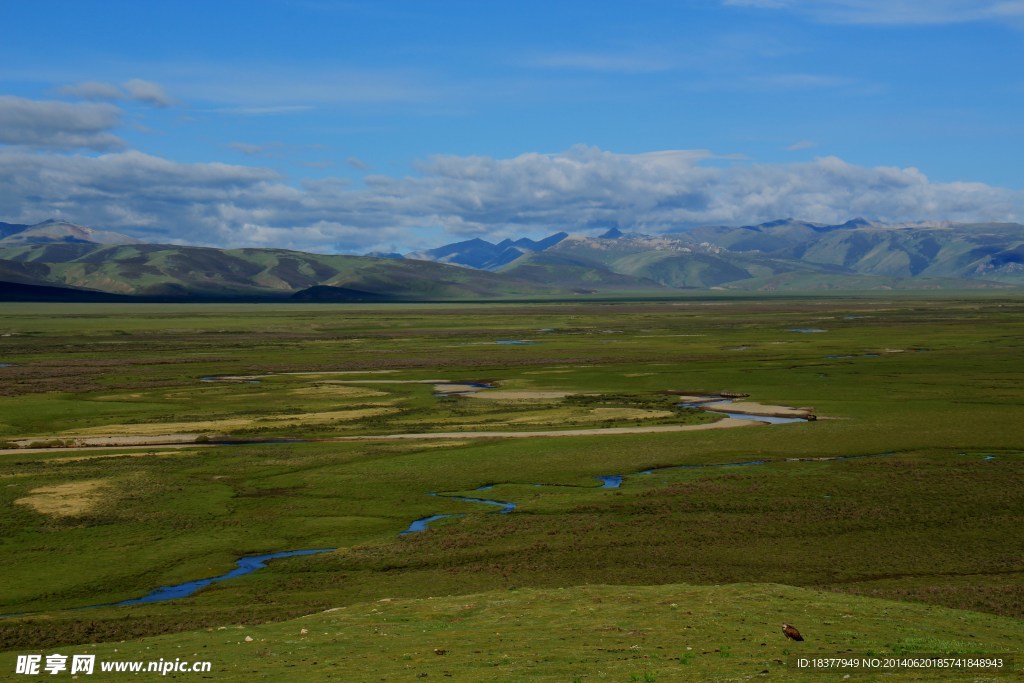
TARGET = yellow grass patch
(384,381)
(328,416)
(66,500)
(217,426)
(127,398)
(577,415)
(727,423)
(161,428)
(136,454)
(454,388)
(336,391)
(751,408)
(629,414)
(340,372)
(412,448)
(42,444)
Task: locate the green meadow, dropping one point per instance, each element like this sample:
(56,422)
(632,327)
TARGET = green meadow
(888,525)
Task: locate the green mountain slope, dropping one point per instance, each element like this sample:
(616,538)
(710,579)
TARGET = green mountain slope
(675,263)
(786,255)
(665,262)
(796,255)
(577,274)
(973,252)
(175,271)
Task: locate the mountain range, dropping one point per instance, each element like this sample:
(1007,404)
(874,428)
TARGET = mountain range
(785,254)
(57,260)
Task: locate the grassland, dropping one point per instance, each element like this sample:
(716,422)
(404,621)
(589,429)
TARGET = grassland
(931,386)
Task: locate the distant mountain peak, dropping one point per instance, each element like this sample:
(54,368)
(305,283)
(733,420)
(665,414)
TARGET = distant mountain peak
(780,222)
(483,255)
(788,254)
(548,242)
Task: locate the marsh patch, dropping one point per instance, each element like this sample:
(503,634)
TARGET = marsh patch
(336,391)
(191,429)
(522,395)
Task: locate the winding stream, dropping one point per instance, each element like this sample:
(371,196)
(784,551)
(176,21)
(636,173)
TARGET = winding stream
(706,405)
(423,523)
(608,481)
(251,563)
(246,565)
(614,481)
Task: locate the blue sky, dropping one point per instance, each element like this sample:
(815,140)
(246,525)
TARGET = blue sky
(343,125)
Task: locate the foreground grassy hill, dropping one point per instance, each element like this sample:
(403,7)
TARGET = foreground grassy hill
(590,633)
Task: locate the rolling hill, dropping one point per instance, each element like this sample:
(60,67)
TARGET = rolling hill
(786,254)
(175,272)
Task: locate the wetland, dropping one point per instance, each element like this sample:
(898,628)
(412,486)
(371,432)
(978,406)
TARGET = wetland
(155,445)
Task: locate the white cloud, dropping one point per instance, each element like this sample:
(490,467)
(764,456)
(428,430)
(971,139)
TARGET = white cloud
(896,12)
(247,148)
(357,163)
(147,92)
(58,125)
(801,145)
(93,90)
(135,89)
(531,194)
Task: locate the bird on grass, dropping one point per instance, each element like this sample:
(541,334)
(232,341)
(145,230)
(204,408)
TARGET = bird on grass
(791,632)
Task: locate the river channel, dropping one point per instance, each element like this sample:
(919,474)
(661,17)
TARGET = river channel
(251,563)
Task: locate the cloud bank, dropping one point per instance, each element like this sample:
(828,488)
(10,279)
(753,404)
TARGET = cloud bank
(581,189)
(58,125)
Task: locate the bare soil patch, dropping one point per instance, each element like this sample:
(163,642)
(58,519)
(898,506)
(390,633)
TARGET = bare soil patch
(66,500)
(751,408)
